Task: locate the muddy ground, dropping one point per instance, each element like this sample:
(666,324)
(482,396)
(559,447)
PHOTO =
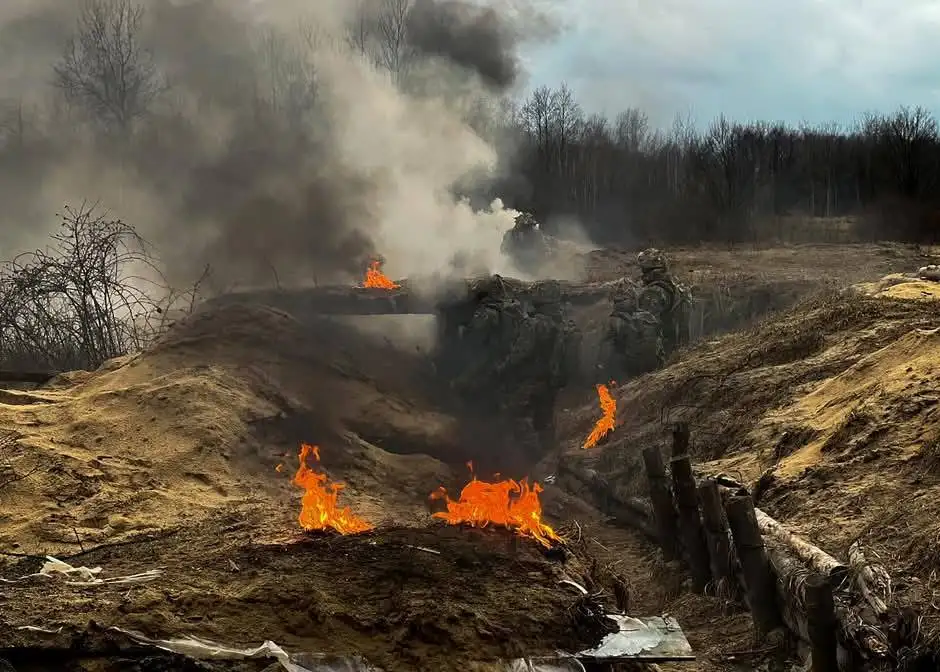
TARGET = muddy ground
(170,459)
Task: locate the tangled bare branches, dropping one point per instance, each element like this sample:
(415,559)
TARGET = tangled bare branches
(94,294)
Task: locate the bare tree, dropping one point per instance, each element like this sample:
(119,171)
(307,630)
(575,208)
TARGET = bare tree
(81,301)
(288,88)
(105,69)
(394,50)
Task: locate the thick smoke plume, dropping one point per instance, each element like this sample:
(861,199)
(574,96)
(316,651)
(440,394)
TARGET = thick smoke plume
(272,140)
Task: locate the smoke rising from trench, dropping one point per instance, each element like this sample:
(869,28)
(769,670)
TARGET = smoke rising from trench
(282,140)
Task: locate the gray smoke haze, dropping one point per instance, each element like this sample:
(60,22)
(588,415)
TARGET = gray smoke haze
(283,139)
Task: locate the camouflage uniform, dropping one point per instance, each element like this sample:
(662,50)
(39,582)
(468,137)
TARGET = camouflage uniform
(522,354)
(664,298)
(526,244)
(633,343)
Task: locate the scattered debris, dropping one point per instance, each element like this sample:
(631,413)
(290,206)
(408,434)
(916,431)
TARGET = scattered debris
(89,576)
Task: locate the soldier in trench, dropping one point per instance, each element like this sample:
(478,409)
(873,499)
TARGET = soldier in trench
(633,343)
(663,297)
(521,352)
(526,244)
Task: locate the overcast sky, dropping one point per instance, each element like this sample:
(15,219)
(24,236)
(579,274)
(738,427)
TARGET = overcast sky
(789,60)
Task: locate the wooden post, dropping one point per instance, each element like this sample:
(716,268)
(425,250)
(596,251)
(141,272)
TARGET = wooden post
(691,531)
(680,439)
(821,623)
(664,509)
(717,534)
(758,573)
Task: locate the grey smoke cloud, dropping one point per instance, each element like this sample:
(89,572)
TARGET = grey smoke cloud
(278,148)
(472,36)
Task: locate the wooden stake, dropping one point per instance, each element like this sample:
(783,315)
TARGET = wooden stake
(821,623)
(680,439)
(717,534)
(758,574)
(664,508)
(691,531)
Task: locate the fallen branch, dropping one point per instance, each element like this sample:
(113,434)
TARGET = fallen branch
(635,512)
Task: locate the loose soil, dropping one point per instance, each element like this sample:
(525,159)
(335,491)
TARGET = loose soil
(170,459)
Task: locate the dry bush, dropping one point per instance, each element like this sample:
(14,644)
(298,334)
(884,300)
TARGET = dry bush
(90,296)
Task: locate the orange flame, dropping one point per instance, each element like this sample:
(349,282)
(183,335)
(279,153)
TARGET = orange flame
(319,510)
(377,279)
(508,503)
(605,425)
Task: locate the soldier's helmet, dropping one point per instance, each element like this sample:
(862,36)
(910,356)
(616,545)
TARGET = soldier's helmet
(651,259)
(524,221)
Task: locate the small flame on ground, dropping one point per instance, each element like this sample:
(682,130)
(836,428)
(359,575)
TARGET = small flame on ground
(507,503)
(319,509)
(605,425)
(377,279)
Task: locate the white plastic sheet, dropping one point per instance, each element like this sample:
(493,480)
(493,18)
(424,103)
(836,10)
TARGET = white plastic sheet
(87,576)
(203,649)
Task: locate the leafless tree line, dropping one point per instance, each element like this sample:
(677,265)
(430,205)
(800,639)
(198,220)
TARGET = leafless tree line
(628,181)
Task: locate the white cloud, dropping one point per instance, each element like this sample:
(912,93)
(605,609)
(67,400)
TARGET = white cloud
(776,59)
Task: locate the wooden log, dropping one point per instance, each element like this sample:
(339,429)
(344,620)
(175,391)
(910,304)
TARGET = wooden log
(816,558)
(758,575)
(717,535)
(691,532)
(422,296)
(821,623)
(858,641)
(789,577)
(664,508)
(37,377)
(872,580)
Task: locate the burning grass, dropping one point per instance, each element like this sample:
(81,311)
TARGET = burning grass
(320,509)
(511,504)
(605,425)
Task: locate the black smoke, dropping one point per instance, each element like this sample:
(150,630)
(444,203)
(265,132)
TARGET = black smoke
(472,36)
(236,164)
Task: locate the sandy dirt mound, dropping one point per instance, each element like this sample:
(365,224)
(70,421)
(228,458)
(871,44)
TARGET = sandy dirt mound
(832,410)
(901,286)
(170,460)
(203,419)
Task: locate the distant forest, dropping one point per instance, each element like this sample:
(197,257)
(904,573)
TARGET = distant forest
(733,182)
